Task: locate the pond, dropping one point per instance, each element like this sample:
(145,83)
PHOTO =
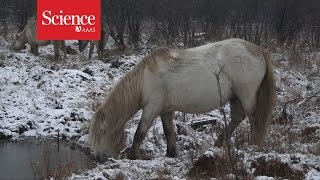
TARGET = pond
(35,158)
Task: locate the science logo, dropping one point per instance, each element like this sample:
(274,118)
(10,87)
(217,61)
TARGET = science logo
(68,19)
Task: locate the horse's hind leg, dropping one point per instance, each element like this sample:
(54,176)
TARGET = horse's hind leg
(91,50)
(101,45)
(150,112)
(237,115)
(34,49)
(63,48)
(99,51)
(99,48)
(169,131)
(249,106)
(56,49)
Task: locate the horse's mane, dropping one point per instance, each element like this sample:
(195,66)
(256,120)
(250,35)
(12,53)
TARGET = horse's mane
(122,103)
(132,81)
(152,60)
(128,89)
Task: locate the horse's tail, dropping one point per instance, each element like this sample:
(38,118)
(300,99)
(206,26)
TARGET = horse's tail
(266,99)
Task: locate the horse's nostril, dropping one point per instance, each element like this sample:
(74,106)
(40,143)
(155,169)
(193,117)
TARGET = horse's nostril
(24,47)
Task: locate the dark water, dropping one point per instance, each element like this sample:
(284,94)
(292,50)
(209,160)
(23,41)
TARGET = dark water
(39,158)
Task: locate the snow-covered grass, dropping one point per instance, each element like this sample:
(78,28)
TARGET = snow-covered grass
(39,97)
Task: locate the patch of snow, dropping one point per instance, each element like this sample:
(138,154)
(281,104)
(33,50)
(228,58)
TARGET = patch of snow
(313,175)
(264,178)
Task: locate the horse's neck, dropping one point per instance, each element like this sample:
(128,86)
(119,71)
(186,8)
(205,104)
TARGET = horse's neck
(132,111)
(23,38)
(124,104)
(120,113)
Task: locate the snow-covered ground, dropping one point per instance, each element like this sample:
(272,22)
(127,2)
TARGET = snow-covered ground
(39,97)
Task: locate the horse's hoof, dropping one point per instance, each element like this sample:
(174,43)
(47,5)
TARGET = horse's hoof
(35,53)
(132,154)
(100,157)
(219,141)
(129,153)
(172,154)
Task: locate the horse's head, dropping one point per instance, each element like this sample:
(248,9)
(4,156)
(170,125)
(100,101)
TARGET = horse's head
(82,44)
(19,42)
(104,138)
(108,149)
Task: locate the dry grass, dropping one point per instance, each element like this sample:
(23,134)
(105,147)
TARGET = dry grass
(60,171)
(275,168)
(217,166)
(162,174)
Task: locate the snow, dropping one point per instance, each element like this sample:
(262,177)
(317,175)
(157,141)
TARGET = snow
(39,97)
(264,178)
(313,175)
(43,99)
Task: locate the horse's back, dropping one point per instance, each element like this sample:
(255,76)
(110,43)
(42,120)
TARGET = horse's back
(198,77)
(240,60)
(190,83)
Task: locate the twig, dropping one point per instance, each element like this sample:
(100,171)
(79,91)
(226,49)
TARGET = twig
(308,98)
(198,124)
(269,44)
(58,140)
(290,101)
(226,129)
(284,109)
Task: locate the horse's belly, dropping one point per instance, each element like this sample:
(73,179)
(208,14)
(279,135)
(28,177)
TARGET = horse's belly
(42,42)
(197,93)
(193,105)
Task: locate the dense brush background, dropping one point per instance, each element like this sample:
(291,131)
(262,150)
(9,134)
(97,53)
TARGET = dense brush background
(253,20)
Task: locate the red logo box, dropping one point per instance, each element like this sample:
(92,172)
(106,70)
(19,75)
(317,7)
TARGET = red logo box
(68,19)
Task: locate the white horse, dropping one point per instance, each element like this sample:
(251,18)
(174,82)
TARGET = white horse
(195,80)
(29,35)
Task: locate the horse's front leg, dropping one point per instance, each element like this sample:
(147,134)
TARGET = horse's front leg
(169,131)
(150,112)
